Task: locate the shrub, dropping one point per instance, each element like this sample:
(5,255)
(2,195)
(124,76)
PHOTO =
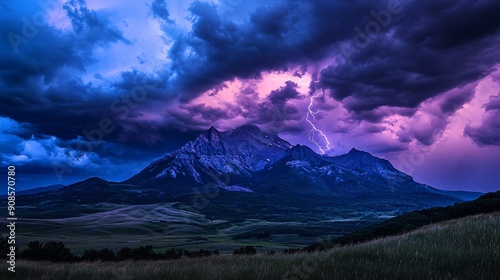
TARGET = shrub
(247,250)
(50,251)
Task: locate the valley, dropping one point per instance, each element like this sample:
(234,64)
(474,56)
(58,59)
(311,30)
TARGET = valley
(465,248)
(164,226)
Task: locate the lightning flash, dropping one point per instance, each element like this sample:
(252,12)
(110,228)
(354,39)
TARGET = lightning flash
(310,117)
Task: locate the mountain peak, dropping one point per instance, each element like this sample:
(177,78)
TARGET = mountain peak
(356,159)
(212,134)
(92,183)
(248,127)
(302,152)
(94,180)
(299,147)
(252,133)
(354,150)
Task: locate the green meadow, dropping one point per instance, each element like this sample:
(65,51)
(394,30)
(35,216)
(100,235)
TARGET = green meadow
(466,248)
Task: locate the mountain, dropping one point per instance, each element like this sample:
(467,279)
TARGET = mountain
(246,172)
(238,153)
(37,190)
(463,195)
(94,190)
(357,177)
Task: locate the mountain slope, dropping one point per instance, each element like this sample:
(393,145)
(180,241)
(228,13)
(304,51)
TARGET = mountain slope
(246,172)
(356,174)
(37,190)
(214,155)
(463,195)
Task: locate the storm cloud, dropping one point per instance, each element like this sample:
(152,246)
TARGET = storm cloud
(143,78)
(488,132)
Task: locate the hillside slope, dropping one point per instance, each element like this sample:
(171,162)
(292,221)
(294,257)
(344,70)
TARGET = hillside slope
(466,248)
(487,203)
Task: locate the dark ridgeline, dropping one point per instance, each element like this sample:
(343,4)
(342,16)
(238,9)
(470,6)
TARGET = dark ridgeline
(252,172)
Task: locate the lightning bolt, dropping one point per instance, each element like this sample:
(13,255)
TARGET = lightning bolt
(311,115)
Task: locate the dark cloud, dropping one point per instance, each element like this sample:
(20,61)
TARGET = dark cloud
(62,109)
(372,128)
(40,86)
(420,56)
(275,112)
(54,160)
(247,96)
(276,35)
(455,100)
(301,72)
(211,114)
(404,135)
(377,115)
(285,93)
(493,104)
(386,148)
(340,129)
(75,111)
(217,89)
(428,130)
(424,51)
(374,116)
(159,9)
(455,23)
(433,117)
(40,59)
(488,132)
(279,118)
(89,27)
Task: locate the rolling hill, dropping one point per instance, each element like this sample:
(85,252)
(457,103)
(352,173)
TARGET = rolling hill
(466,248)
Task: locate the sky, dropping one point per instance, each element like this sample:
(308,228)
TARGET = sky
(102,88)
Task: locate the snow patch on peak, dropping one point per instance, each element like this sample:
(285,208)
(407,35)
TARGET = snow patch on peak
(297,163)
(171,172)
(236,188)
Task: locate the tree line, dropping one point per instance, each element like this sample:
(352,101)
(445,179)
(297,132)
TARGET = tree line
(58,252)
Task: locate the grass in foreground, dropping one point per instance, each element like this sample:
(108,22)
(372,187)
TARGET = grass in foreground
(467,248)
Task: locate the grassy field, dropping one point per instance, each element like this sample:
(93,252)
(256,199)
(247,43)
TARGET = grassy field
(467,248)
(164,226)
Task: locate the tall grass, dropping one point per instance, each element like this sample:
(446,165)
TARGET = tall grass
(467,248)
